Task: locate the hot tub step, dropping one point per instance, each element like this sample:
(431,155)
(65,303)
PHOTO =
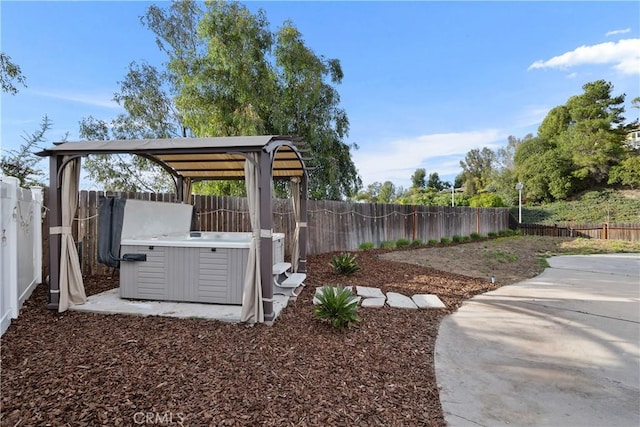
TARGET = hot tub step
(280,268)
(294,280)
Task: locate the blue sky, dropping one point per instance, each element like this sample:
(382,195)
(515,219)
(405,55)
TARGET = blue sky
(424,82)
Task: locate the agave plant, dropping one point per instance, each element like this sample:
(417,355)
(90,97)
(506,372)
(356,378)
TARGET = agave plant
(337,305)
(345,264)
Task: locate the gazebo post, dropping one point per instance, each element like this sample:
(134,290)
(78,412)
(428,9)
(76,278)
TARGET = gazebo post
(266,240)
(302,238)
(55,222)
(180,189)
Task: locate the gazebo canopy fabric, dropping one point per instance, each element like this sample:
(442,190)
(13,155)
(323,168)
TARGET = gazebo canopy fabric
(199,158)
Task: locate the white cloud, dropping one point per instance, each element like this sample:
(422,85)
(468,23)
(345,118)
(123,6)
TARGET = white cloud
(572,75)
(397,160)
(615,32)
(96,100)
(623,54)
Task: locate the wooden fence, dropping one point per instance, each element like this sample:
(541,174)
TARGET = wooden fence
(332,225)
(629,232)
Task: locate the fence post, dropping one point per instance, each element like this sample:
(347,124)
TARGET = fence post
(605,231)
(415,222)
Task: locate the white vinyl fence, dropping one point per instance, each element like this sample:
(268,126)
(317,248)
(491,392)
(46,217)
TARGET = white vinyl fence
(20,246)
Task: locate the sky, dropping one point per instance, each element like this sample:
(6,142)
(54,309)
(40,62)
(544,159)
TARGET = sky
(424,82)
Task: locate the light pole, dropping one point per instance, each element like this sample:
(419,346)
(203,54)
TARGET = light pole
(453,199)
(519,187)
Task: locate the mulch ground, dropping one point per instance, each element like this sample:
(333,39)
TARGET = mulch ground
(81,369)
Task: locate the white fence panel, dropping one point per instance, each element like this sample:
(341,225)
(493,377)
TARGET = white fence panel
(20,246)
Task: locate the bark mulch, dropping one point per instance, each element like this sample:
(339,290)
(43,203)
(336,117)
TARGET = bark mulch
(80,369)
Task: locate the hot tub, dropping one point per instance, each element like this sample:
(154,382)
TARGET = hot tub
(200,267)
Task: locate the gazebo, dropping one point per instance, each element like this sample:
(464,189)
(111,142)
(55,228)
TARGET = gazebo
(256,159)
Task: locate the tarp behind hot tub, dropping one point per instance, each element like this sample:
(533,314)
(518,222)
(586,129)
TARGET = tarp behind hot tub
(120,219)
(110,218)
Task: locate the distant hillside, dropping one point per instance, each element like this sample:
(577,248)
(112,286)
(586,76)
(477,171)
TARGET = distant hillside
(590,207)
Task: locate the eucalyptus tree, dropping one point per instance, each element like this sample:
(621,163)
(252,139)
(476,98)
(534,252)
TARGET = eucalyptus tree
(228,74)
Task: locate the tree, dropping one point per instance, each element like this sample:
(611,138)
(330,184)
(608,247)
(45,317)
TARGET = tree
(594,137)
(308,104)
(627,173)
(10,75)
(477,167)
(576,146)
(503,179)
(227,74)
(436,183)
(23,163)
(378,193)
(418,178)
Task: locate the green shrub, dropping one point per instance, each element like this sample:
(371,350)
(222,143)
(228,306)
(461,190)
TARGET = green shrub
(456,239)
(445,240)
(466,238)
(486,200)
(475,236)
(388,244)
(337,305)
(492,234)
(366,246)
(432,242)
(417,242)
(402,243)
(345,264)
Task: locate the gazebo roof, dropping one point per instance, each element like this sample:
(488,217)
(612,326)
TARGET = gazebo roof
(199,158)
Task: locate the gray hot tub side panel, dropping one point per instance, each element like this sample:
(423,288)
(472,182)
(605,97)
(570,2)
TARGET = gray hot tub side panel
(185,274)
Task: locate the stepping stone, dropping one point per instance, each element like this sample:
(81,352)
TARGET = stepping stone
(366,292)
(373,302)
(427,301)
(397,300)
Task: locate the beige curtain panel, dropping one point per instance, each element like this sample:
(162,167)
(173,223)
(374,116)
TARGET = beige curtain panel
(71,284)
(252,310)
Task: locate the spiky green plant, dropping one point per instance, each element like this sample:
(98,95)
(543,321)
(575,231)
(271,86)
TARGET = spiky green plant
(417,242)
(345,263)
(432,242)
(457,238)
(445,240)
(337,305)
(475,236)
(492,234)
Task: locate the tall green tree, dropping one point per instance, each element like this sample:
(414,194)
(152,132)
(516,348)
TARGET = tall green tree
(418,179)
(576,146)
(436,183)
(503,179)
(228,74)
(308,104)
(477,168)
(594,137)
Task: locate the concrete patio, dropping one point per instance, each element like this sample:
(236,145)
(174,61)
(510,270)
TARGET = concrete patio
(109,302)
